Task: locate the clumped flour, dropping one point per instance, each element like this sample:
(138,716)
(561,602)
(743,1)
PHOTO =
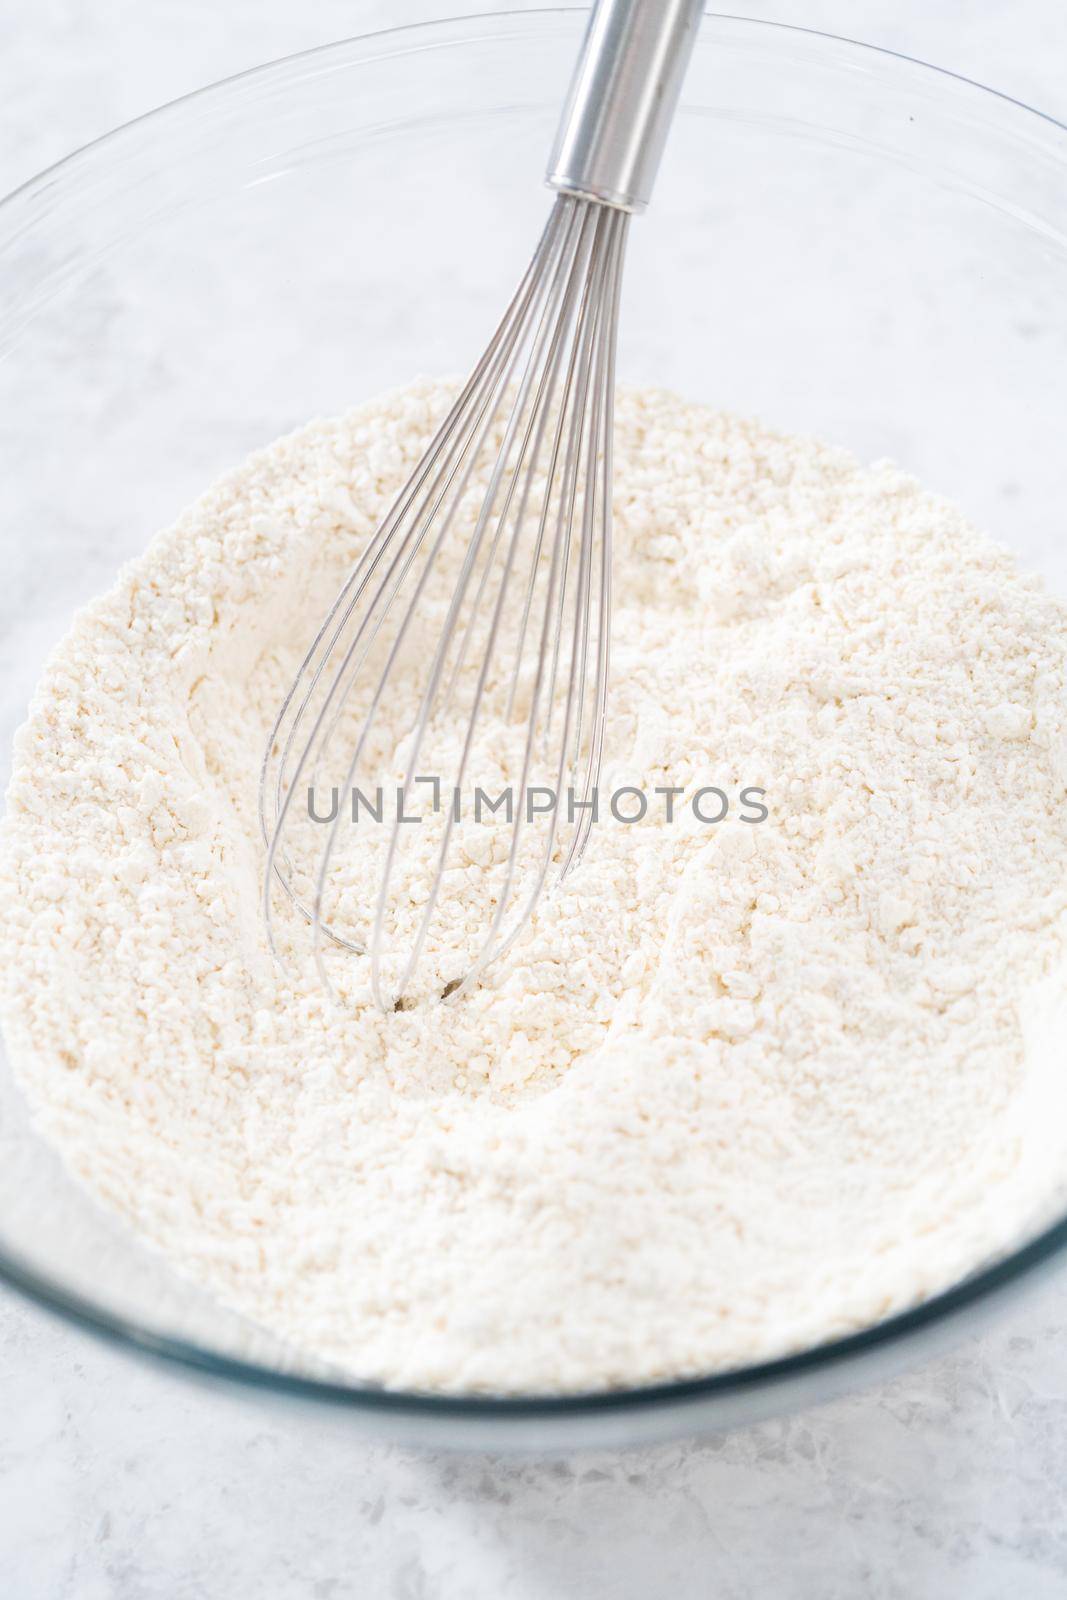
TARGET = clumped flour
(741,1088)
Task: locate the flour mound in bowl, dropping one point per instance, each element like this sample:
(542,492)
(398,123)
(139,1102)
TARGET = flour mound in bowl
(741,1088)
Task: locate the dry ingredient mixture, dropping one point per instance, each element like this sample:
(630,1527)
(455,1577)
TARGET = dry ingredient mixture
(740,1089)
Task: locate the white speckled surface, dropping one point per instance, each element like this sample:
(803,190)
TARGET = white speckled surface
(125,1482)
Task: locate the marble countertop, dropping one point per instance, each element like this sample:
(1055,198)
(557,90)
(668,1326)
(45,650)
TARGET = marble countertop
(123,1481)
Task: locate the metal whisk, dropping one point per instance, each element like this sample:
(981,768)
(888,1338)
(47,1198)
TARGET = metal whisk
(478,617)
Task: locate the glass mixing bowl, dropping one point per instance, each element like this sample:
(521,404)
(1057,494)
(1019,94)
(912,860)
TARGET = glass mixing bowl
(842,241)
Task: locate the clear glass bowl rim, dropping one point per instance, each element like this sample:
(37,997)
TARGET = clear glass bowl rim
(903,1329)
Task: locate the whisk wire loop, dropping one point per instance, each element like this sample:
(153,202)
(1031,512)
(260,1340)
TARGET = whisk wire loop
(420,620)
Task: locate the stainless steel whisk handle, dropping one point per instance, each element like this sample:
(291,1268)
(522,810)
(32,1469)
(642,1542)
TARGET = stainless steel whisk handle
(622,99)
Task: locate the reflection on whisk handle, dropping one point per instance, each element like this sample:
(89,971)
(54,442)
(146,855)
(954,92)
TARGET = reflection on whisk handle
(622,99)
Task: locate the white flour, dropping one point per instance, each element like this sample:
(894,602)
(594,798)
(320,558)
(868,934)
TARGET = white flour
(741,1089)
